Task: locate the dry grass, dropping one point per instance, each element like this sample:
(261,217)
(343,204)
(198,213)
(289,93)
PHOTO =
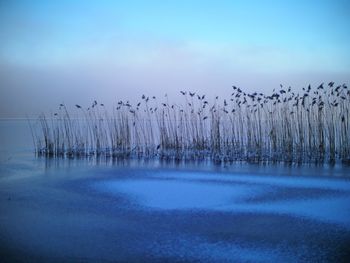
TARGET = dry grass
(311,126)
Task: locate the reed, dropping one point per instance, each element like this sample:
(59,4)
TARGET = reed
(288,126)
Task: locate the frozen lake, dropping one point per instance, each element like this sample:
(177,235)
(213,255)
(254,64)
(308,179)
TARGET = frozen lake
(131,211)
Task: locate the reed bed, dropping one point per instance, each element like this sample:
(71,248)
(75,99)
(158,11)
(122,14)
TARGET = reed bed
(307,126)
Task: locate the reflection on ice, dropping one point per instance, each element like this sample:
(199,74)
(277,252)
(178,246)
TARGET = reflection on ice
(173,194)
(331,209)
(295,182)
(216,192)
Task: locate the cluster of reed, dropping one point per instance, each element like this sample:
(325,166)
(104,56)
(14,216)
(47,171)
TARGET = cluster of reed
(311,126)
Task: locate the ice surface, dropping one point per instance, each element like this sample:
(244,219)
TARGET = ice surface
(208,191)
(172,194)
(75,210)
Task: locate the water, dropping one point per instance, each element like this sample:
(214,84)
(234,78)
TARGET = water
(81,210)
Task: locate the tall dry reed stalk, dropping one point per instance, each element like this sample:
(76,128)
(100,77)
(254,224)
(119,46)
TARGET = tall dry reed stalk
(311,126)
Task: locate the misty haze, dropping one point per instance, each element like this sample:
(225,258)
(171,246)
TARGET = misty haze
(174,131)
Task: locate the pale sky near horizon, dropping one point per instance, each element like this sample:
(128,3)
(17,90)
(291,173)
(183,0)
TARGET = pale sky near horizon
(77,51)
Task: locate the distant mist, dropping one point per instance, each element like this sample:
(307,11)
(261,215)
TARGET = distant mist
(28,91)
(78,51)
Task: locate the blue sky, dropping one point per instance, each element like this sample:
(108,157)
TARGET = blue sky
(81,50)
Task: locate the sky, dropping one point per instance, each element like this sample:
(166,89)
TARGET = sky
(79,50)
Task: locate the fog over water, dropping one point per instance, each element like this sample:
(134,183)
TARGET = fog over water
(76,52)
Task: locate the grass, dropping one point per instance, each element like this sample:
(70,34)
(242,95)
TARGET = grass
(288,126)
